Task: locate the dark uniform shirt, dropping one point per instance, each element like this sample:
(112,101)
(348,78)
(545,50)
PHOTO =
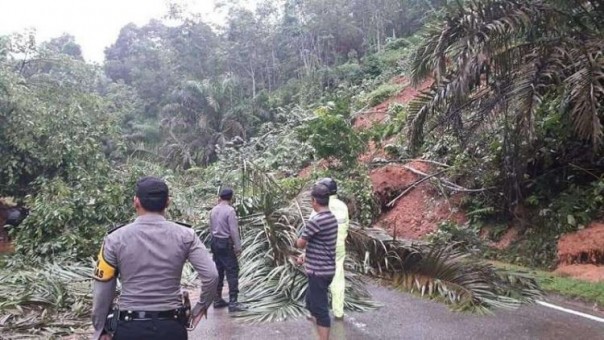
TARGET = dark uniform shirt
(321,233)
(149,255)
(223,223)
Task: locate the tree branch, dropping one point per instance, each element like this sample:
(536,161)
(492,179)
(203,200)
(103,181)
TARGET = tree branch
(413,186)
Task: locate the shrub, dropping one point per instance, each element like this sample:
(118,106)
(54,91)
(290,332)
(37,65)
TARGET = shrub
(332,136)
(463,236)
(351,72)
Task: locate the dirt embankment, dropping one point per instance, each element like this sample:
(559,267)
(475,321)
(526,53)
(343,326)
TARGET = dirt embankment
(581,254)
(419,212)
(376,152)
(422,208)
(379,113)
(511,235)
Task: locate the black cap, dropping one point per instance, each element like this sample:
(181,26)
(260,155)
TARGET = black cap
(330,184)
(226,193)
(320,193)
(153,193)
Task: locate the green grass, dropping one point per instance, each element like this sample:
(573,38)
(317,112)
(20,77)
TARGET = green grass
(565,286)
(382,93)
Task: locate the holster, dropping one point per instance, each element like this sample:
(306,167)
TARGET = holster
(112,320)
(184,314)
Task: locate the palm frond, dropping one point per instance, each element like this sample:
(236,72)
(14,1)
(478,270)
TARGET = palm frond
(586,92)
(35,301)
(443,273)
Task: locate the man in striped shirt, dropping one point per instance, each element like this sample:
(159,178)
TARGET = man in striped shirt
(319,238)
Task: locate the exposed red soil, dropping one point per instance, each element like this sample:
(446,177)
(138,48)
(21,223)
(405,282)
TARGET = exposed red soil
(510,236)
(308,170)
(406,95)
(379,113)
(582,247)
(419,211)
(6,247)
(369,118)
(374,152)
(586,272)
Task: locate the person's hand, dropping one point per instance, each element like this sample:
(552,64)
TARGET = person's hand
(300,260)
(105,337)
(198,318)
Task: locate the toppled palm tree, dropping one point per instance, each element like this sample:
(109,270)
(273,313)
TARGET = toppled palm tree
(275,286)
(55,299)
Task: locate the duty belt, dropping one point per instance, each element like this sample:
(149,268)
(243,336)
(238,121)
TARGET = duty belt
(136,315)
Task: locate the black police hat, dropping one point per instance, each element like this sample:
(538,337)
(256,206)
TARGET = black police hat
(330,183)
(153,193)
(226,193)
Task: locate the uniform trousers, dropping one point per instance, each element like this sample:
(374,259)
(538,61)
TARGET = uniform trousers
(160,329)
(226,263)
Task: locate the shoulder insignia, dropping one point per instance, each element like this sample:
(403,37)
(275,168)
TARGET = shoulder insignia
(115,227)
(182,224)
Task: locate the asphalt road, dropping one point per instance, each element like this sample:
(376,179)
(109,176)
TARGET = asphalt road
(407,317)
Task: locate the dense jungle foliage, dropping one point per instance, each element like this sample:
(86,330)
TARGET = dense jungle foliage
(515,110)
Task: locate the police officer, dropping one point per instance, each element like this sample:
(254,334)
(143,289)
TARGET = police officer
(340,211)
(148,255)
(226,247)
(10,215)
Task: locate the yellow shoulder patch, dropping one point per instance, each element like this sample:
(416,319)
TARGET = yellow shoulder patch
(103,271)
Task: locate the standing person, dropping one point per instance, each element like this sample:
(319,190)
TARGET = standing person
(226,248)
(340,211)
(319,238)
(148,256)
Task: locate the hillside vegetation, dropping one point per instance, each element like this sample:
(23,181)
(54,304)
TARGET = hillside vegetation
(445,123)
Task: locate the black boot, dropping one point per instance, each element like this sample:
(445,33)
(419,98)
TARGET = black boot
(235,306)
(219,302)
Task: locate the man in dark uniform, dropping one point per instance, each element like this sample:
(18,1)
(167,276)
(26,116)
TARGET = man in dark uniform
(11,215)
(226,247)
(148,255)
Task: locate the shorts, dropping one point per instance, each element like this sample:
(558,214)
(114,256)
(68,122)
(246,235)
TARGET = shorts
(317,301)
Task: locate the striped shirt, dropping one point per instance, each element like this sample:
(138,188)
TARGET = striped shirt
(321,233)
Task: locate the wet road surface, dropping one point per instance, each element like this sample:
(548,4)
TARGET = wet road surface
(404,316)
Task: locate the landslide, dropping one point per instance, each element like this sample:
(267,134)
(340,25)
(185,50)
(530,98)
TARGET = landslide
(422,208)
(581,254)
